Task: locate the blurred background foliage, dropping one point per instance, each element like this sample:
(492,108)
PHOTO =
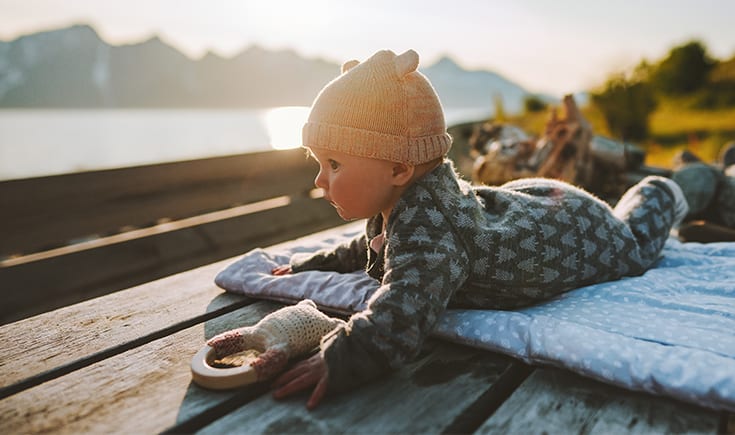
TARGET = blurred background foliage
(684,101)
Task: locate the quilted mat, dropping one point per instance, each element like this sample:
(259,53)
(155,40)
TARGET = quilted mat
(668,332)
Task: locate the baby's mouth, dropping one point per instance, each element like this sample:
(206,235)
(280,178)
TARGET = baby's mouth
(332,203)
(336,207)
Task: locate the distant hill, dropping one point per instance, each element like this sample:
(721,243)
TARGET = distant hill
(458,87)
(75,68)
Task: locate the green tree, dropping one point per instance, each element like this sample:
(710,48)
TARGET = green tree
(720,89)
(684,71)
(626,105)
(532,104)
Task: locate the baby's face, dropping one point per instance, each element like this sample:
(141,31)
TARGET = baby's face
(358,187)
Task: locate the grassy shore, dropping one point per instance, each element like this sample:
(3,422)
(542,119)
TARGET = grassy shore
(673,127)
(703,132)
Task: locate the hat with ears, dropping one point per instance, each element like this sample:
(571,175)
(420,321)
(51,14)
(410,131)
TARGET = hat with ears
(382,108)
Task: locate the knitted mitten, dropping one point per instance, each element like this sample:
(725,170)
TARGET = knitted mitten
(283,334)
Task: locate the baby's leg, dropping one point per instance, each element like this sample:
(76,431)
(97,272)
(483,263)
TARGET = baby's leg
(651,209)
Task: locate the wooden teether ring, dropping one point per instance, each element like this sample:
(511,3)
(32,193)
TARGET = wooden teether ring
(204,375)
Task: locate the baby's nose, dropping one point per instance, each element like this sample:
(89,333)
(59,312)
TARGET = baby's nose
(320,181)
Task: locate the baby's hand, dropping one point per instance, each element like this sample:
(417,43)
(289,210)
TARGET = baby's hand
(284,269)
(311,372)
(289,332)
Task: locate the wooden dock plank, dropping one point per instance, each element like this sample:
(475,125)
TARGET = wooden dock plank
(35,345)
(148,389)
(44,212)
(55,339)
(144,390)
(54,282)
(552,400)
(426,396)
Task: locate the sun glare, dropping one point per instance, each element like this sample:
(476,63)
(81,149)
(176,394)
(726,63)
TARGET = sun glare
(284,126)
(288,21)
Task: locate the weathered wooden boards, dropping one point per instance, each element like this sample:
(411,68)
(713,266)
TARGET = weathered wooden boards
(89,331)
(144,390)
(45,284)
(78,335)
(148,389)
(552,400)
(48,211)
(187,214)
(135,347)
(120,364)
(430,395)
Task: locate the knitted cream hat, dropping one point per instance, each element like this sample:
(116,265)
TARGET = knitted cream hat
(382,108)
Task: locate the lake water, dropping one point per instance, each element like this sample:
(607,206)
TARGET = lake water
(46,142)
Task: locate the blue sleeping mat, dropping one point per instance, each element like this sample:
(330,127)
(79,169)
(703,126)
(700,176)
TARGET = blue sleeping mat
(668,332)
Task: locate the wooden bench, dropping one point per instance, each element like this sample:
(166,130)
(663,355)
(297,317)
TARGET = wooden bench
(67,238)
(119,362)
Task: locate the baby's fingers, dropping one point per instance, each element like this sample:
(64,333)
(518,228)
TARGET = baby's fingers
(283,269)
(291,382)
(318,394)
(305,374)
(288,377)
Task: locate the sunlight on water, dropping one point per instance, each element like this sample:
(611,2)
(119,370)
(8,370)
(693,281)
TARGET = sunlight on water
(284,126)
(45,142)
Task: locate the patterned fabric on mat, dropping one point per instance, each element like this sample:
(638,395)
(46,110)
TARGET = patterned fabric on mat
(669,332)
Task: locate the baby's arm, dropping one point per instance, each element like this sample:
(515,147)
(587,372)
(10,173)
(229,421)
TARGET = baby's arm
(347,257)
(420,279)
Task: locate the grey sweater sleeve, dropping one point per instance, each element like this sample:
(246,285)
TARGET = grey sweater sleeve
(347,257)
(425,264)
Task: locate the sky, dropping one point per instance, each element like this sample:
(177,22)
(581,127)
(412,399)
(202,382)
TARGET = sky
(549,46)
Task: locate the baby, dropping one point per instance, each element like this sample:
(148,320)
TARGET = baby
(432,240)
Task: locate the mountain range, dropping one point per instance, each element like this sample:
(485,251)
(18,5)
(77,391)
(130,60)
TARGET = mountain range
(74,68)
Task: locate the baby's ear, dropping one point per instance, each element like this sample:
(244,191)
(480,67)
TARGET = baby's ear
(402,173)
(407,63)
(349,65)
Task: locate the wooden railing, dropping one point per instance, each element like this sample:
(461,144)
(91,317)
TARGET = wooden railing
(67,238)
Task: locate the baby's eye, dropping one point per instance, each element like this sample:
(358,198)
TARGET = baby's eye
(333,164)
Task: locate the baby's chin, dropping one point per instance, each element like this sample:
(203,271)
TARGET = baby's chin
(346,216)
(341,212)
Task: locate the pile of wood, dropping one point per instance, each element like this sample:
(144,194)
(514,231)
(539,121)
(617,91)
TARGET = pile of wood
(567,150)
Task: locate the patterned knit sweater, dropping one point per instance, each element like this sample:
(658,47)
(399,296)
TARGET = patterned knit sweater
(451,244)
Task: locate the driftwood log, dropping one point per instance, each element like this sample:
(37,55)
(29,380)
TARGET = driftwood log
(568,150)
